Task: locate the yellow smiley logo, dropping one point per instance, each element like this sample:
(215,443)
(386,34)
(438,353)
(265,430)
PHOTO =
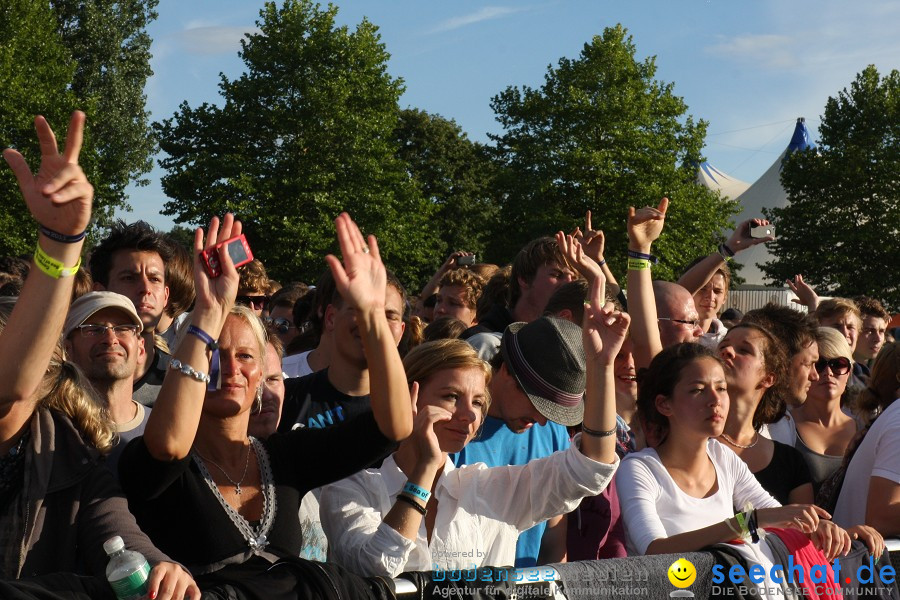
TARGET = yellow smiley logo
(682,573)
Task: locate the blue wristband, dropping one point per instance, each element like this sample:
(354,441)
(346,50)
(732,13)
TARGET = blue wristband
(642,256)
(416,492)
(212,346)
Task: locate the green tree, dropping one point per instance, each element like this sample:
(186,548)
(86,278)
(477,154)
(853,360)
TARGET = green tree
(306,132)
(842,220)
(67,54)
(602,134)
(35,70)
(454,174)
(109,44)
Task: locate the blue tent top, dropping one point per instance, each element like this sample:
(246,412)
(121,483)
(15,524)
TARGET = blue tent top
(800,139)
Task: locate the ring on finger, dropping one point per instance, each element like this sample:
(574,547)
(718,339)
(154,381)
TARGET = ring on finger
(365,249)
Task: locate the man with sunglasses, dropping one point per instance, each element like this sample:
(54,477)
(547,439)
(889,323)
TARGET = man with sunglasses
(132,261)
(102,336)
(677,315)
(253,287)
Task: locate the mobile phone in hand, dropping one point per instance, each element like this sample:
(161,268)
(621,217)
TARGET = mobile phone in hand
(762,231)
(237,247)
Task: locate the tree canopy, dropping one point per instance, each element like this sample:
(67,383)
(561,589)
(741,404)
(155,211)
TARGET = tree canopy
(842,219)
(306,132)
(55,57)
(454,175)
(602,134)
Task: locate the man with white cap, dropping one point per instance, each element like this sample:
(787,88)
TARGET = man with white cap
(103,337)
(538,386)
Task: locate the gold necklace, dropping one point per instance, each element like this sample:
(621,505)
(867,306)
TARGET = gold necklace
(741,446)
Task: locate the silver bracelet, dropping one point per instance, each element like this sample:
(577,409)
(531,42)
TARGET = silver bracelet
(177,365)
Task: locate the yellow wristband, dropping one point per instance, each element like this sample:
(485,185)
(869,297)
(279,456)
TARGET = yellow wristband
(638,264)
(51,266)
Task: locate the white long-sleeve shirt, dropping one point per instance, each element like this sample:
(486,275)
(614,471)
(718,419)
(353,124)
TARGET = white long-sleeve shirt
(481,511)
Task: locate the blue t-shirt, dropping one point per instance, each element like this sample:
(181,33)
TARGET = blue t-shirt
(499,446)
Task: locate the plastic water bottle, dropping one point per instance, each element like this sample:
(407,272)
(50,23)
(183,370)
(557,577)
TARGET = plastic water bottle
(127,571)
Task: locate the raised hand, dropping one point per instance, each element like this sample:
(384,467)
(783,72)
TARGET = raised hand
(430,456)
(740,239)
(216,294)
(59,195)
(362,278)
(805,294)
(604,328)
(645,225)
(574,253)
(592,241)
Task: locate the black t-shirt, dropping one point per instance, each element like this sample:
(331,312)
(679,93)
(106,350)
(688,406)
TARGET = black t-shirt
(786,471)
(177,510)
(311,401)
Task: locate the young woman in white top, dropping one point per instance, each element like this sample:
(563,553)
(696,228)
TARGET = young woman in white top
(680,496)
(472,515)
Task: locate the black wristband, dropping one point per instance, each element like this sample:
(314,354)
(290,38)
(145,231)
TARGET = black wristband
(595,433)
(61,237)
(422,510)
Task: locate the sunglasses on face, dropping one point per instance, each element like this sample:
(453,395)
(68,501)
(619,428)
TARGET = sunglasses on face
(257,302)
(838,366)
(121,331)
(280,325)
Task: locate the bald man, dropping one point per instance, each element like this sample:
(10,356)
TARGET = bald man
(676,314)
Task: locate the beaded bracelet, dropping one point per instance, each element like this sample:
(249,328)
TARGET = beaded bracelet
(422,510)
(62,237)
(184,369)
(212,346)
(52,267)
(416,491)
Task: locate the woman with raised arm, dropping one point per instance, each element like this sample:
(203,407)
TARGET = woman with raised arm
(418,512)
(58,504)
(218,500)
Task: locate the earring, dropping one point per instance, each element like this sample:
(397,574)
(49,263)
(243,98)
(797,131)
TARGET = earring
(259,400)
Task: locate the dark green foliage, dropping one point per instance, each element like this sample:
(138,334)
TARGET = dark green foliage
(305,133)
(841,224)
(55,57)
(602,134)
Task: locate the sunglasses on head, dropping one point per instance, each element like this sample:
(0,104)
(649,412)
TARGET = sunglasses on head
(838,366)
(254,301)
(280,325)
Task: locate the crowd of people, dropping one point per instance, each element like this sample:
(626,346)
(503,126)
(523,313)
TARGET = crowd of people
(347,432)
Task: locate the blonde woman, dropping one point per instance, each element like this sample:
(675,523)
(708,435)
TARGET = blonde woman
(824,431)
(418,512)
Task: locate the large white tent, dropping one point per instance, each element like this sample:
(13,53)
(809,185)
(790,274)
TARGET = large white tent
(766,192)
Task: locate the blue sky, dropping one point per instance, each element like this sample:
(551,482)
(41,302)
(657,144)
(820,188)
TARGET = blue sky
(748,67)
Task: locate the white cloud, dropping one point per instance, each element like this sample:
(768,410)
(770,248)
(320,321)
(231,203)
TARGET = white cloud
(485,14)
(212,39)
(768,49)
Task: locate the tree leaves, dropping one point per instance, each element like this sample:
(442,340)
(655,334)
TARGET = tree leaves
(840,225)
